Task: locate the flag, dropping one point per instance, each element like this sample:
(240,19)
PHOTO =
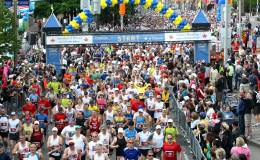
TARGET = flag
(199,4)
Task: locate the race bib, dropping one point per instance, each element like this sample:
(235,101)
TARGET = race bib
(59,125)
(140,94)
(139,125)
(27,132)
(164,124)
(102,106)
(159,110)
(3,124)
(119,158)
(74,156)
(119,125)
(26,150)
(34,100)
(42,106)
(169,153)
(13,129)
(111,93)
(38,144)
(41,122)
(144,144)
(157,150)
(93,148)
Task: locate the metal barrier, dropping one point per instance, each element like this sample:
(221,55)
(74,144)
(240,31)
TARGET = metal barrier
(15,104)
(189,136)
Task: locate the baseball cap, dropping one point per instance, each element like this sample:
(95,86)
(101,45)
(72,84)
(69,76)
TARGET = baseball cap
(71,120)
(158,96)
(103,126)
(108,122)
(214,115)
(170,121)
(54,77)
(235,123)
(71,142)
(13,113)
(77,127)
(28,99)
(55,129)
(91,101)
(202,114)
(36,122)
(209,103)
(140,110)
(120,130)
(186,98)
(210,128)
(27,118)
(158,127)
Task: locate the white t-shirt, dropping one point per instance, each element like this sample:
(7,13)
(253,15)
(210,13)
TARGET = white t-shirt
(68,131)
(209,113)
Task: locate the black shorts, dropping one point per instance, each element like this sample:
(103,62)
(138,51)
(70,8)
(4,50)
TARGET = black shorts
(144,152)
(151,113)
(155,119)
(55,157)
(256,110)
(101,111)
(4,134)
(138,130)
(167,105)
(14,137)
(59,131)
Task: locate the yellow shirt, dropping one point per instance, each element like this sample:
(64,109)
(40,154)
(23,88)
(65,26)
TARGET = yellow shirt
(115,108)
(93,108)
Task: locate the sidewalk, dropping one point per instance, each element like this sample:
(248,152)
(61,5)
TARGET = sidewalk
(255,140)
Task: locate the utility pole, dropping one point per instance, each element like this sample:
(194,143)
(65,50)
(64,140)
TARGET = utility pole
(16,31)
(122,22)
(257,6)
(239,16)
(226,33)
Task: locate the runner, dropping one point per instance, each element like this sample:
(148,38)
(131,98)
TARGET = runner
(43,120)
(105,137)
(143,141)
(119,142)
(54,144)
(34,97)
(51,96)
(60,119)
(27,114)
(163,119)
(80,141)
(156,140)
(120,120)
(70,112)
(71,152)
(37,136)
(45,104)
(158,107)
(21,148)
(27,127)
(150,109)
(130,132)
(170,129)
(131,152)
(33,154)
(109,114)
(68,132)
(91,147)
(14,126)
(54,85)
(4,119)
(140,120)
(29,107)
(35,87)
(94,122)
(170,149)
(55,109)
(99,155)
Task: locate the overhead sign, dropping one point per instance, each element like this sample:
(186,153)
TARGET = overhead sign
(53,57)
(188,36)
(59,40)
(23,3)
(201,51)
(129,38)
(7,3)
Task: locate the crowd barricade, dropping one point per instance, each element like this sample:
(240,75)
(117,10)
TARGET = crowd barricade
(15,104)
(186,131)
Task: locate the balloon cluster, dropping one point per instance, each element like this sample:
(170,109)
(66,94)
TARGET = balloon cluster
(122,9)
(219,8)
(148,3)
(86,15)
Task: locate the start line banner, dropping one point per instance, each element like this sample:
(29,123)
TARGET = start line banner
(128,38)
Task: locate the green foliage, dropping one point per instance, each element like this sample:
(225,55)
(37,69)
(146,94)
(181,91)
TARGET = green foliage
(43,8)
(8,38)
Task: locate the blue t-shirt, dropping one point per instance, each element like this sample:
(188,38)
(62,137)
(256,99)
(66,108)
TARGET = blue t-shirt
(159,62)
(104,76)
(147,93)
(116,82)
(42,118)
(34,98)
(228,115)
(131,154)
(129,134)
(87,114)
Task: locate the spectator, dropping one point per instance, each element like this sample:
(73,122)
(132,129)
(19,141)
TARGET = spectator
(227,141)
(241,112)
(235,130)
(228,116)
(239,149)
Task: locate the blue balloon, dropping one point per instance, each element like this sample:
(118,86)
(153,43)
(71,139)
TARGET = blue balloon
(142,2)
(120,1)
(154,4)
(221,2)
(131,1)
(164,9)
(109,3)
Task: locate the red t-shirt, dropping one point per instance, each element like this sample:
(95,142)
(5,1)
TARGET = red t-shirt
(44,104)
(236,45)
(31,108)
(136,105)
(58,117)
(170,151)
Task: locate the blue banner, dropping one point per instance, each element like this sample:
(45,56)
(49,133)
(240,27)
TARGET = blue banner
(32,7)
(129,38)
(23,2)
(201,51)
(8,3)
(53,57)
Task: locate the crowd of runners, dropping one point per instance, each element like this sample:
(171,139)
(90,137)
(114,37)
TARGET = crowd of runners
(116,98)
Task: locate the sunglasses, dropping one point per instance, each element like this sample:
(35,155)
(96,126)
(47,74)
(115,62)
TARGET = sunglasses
(144,128)
(169,138)
(94,136)
(131,142)
(36,124)
(150,155)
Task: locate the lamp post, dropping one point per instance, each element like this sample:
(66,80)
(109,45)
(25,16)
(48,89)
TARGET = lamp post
(16,31)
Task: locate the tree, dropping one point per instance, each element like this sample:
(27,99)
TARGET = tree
(8,32)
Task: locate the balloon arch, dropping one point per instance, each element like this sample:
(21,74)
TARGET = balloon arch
(86,15)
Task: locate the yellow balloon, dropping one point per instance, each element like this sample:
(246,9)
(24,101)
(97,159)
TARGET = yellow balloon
(137,2)
(90,8)
(125,1)
(103,5)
